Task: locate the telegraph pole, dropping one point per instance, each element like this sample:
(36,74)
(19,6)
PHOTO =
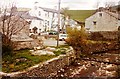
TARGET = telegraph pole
(58,22)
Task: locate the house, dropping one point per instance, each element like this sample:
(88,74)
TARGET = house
(15,22)
(102,20)
(48,19)
(72,23)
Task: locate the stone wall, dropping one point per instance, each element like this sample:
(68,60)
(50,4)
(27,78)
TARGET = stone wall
(100,47)
(28,44)
(104,35)
(50,67)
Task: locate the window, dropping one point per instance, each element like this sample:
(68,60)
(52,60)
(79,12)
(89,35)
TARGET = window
(40,23)
(48,14)
(94,22)
(48,23)
(100,14)
(53,15)
(39,13)
(45,14)
(35,7)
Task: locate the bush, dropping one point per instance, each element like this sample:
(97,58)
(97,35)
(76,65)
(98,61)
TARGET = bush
(77,39)
(6,50)
(7,46)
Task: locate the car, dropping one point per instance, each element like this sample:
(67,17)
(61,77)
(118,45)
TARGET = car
(62,37)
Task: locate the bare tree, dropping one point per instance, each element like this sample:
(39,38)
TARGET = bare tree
(97,5)
(65,15)
(109,5)
(10,23)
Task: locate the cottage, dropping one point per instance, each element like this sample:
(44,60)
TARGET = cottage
(48,19)
(102,20)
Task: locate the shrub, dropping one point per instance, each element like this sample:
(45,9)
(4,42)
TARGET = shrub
(7,46)
(6,50)
(77,39)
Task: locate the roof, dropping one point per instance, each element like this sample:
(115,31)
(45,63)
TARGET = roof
(49,10)
(26,15)
(79,22)
(23,9)
(21,37)
(116,15)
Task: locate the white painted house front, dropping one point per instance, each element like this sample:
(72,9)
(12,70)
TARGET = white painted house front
(48,19)
(103,21)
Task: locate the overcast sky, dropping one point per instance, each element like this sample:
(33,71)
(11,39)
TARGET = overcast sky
(72,4)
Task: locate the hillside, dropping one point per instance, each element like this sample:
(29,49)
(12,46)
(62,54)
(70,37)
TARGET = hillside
(80,15)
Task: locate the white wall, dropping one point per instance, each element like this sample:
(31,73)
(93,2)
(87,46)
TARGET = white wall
(47,18)
(38,24)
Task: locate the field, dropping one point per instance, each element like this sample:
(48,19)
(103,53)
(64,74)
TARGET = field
(80,15)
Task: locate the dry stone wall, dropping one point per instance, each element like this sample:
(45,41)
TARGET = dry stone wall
(104,35)
(49,68)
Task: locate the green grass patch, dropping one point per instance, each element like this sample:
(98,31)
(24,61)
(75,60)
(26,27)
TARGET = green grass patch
(60,46)
(61,49)
(63,46)
(22,60)
(80,15)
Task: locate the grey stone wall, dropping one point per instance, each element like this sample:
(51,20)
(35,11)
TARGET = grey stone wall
(28,44)
(104,35)
(106,22)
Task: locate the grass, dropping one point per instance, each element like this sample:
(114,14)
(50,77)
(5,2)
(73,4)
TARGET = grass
(80,15)
(22,60)
(60,46)
(61,50)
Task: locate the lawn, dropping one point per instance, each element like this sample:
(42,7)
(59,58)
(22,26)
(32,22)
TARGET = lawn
(80,15)
(22,60)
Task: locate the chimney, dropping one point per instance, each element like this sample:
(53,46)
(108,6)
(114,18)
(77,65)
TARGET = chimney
(101,9)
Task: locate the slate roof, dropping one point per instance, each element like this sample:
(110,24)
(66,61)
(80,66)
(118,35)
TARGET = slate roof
(50,10)
(26,15)
(116,15)
(21,37)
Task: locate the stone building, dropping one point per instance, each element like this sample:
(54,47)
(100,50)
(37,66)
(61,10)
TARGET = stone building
(103,20)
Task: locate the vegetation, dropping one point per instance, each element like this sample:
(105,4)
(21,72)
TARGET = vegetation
(21,60)
(61,49)
(77,39)
(10,25)
(80,15)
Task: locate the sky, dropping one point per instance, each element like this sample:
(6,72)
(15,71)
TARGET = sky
(72,4)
